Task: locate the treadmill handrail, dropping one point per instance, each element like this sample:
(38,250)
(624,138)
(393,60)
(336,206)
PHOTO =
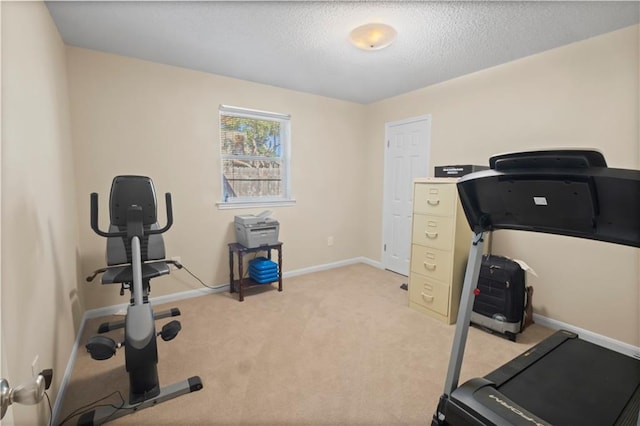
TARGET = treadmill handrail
(464,313)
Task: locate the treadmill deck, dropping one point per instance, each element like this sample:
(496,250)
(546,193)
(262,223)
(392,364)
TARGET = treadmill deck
(543,381)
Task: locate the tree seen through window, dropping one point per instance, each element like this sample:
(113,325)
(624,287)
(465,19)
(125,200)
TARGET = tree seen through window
(252,150)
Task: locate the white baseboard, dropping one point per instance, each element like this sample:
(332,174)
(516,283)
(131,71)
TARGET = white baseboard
(590,336)
(158,300)
(67,374)
(332,265)
(121,308)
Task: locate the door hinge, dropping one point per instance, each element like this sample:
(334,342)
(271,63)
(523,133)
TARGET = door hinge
(385,247)
(388,144)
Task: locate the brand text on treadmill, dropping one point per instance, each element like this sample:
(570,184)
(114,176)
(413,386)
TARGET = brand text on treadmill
(515,410)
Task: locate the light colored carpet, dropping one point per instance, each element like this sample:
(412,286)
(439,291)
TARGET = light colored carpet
(339,347)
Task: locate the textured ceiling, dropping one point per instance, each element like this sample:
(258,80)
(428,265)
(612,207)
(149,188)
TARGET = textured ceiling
(303,45)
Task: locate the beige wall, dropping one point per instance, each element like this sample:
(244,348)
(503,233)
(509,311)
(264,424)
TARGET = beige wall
(581,95)
(132,116)
(40,310)
(136,117)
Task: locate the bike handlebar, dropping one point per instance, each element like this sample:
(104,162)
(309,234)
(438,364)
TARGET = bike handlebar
(97,230)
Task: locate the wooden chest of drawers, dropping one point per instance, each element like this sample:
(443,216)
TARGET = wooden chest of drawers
(440,243)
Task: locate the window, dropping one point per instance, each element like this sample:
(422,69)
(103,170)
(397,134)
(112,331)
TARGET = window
(255,152)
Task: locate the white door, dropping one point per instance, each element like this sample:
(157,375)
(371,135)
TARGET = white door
(406,158)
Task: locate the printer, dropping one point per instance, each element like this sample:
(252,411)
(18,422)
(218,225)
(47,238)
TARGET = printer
(256,230)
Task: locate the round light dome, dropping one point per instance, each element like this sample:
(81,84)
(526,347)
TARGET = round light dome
(373,36)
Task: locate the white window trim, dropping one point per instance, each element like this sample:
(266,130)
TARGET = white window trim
(251,113)
(249,202)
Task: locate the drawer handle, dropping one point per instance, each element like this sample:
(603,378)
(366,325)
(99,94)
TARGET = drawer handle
(433,202)
(431,235)
(430,266)
(427,297)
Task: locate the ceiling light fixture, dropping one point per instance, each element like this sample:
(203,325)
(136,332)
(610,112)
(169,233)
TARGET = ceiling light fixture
(374,36)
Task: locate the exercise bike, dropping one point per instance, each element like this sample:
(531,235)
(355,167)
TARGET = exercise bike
(135,255)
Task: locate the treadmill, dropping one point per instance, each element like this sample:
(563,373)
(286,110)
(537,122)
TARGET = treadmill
(563,380)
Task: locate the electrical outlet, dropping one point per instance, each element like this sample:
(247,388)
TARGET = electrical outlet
(330,241)
(35,366)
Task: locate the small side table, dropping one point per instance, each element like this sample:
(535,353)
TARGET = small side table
(243,283)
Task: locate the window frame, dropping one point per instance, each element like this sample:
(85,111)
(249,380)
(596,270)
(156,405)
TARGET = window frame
(285,158)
